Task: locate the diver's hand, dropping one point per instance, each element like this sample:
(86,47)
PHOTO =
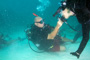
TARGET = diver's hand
(59,23)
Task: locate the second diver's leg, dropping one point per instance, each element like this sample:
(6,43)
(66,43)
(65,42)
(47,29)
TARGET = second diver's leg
(84,41)
(66,39)
(62,48)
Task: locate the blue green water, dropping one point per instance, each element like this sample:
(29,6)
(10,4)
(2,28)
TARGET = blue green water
(16,15)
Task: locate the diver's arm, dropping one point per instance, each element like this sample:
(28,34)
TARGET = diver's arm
(54,32)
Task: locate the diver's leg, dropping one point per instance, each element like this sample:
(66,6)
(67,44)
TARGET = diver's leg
(84,41)
(85,38)
(62,48)
(66,39)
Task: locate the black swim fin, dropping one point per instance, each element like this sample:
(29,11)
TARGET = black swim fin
(75,54)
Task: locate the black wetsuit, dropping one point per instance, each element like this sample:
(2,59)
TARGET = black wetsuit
(83,15)
(83,19)
(39,36)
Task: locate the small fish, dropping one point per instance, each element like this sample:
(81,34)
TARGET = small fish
(35,14)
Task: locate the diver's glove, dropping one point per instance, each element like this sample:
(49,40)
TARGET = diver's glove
(75,54)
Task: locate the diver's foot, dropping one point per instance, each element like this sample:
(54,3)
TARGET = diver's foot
(75,54)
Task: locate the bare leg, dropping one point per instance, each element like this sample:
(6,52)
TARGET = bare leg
(66,39)
(62,48)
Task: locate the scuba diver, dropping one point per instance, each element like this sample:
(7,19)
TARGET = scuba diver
(6,40)
(2,41)
(45,37)
(81,9)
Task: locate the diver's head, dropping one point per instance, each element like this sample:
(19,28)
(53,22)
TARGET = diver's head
(39,22)
(67,13)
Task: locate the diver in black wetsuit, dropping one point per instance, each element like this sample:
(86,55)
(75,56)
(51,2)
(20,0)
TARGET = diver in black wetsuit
(82,11)
(45,36)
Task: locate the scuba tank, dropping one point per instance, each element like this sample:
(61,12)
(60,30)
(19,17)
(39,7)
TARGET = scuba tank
(28,35)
